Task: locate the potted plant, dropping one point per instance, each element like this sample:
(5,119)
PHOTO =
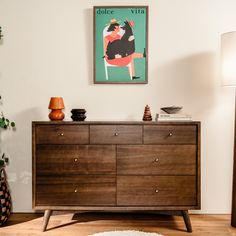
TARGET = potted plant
(5,198)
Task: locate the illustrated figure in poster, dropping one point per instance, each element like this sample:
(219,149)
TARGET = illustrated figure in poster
(119,46)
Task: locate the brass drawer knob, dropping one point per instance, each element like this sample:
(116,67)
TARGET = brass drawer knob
(116,134)
(76,190)
(157,159)
(170,134)
(61,134)
(76,159)
(156,190)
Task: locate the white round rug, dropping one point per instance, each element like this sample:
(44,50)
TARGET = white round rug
(125,233)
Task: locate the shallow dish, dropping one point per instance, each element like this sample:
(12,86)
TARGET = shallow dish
(171,110)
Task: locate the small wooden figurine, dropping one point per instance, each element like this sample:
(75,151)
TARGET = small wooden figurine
(147,114)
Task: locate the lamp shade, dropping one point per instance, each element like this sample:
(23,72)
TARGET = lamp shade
(56,103)
(228,59)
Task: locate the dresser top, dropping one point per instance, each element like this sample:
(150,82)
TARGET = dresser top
(115,122)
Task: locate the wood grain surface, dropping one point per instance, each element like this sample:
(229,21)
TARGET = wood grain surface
(61,134)
(170,134)
(116,166)
(156,160)
(84,224)
(116,134)
(156,190)
(75,159)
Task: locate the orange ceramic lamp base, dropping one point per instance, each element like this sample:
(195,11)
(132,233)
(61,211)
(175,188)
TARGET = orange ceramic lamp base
(56,114)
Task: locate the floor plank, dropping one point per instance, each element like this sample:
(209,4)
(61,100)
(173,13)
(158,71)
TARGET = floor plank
(83,224)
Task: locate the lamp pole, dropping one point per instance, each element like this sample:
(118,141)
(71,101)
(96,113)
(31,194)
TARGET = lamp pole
(233,212)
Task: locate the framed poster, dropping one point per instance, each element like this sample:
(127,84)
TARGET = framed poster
(120,44)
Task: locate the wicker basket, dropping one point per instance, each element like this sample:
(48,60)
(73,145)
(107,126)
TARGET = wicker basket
(5,198)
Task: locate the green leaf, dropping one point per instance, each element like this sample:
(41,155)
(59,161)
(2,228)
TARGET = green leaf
(2,163)
(5,122)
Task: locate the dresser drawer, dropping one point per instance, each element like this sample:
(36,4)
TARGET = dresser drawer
(116,134)
(76,190)
(156,191)
(156,160)
(170,134)
(75,159)
(62,134)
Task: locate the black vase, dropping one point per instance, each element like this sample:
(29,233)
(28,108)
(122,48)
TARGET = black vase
(5,198)
(78,114)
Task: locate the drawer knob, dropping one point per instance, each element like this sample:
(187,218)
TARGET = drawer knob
(157,159)
(156,190)
(61,134)
(170,134)
(76,190)
(76,159)
(116,134)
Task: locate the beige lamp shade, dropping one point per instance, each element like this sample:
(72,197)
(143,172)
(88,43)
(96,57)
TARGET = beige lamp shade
(228,59)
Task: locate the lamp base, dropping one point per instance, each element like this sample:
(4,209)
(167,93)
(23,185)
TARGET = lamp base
(56,114)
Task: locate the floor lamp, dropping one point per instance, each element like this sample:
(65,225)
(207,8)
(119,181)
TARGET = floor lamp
(228,63)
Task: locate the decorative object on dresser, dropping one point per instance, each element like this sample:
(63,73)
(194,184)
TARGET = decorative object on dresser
(173,117)
(56,105)
(147,114)
(228,63)
(171,110)
(78,114)
(108,166)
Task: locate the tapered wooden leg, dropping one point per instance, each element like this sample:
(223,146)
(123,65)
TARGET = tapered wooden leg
(46,217)
(187,221)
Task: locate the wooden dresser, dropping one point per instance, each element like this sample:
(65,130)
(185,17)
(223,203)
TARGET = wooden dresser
(116,166)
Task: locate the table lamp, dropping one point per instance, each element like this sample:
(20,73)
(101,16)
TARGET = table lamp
(228,63)
(56,105)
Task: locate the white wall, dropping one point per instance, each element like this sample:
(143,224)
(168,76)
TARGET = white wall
(47,51)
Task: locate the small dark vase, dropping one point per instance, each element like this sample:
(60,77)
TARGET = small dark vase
(78,114)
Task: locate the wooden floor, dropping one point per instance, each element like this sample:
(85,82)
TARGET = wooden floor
(84,224)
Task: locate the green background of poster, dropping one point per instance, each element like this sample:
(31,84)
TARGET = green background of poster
(120,74)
